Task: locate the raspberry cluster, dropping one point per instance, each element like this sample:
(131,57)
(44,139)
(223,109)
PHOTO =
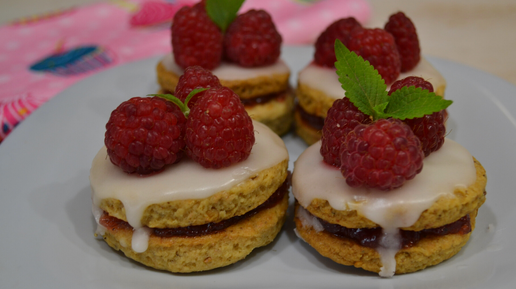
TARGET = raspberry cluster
(391,50)
(250,40)
(383,154)
(143,135)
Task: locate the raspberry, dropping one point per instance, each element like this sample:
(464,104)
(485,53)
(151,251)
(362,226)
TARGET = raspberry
(411,81)
(430,129)
(405,35)
(195,77)
(378,47)
(145,134)
(252,39)
(342,118)
(324,46)
(219,132)
(196,39)
(383,155)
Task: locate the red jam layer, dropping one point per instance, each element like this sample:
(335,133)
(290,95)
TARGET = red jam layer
(316,122)
(112,223)
(371,237)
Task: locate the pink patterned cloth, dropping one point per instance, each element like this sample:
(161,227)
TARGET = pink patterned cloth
(42,56)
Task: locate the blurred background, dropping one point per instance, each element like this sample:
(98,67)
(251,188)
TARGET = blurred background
(478,33)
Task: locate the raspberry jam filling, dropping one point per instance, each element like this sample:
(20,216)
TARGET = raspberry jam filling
(313,121)
(371,237)
(112,223)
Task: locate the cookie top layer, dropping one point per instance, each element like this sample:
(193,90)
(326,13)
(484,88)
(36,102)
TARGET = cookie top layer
(450,183)
(247,82)
(184,181)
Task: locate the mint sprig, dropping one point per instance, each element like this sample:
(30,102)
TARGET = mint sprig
(223,12)
(366,89)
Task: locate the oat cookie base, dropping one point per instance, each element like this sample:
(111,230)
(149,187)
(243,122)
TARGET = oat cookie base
(427,252)
(192,254)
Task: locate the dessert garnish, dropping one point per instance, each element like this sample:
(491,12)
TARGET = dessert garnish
(391,50)
(211,29)
(219,131)
(252,39)
(223,12)
(192,78)
(324,54)
(144,134)
(407,41)
(381,151)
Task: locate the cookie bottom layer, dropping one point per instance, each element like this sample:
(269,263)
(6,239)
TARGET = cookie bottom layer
(427,252)
(192,254)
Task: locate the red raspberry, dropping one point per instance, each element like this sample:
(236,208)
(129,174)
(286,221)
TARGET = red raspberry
(195,77)
(324,46)
(145,134)
(430,129)
(342,118)
(378,47)
(252,39)
(405,35)
(219,132)
(383,155)
(196,39)
(411,81)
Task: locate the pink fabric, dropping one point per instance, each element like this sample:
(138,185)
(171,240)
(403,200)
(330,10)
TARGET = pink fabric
(121,32)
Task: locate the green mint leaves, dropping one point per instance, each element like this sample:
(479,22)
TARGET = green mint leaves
(366,89)
(223,12)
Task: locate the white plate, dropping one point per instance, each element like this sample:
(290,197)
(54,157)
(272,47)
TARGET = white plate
(46,226)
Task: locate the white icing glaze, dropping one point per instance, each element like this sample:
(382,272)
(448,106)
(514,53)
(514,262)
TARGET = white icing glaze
(97,213)
(325,79)
(231,71)
(184,180)
(443,171)
(140,239)
(307,220)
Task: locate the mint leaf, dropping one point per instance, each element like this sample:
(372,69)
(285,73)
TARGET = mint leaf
(223,12)
(364,87)
(412,102)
